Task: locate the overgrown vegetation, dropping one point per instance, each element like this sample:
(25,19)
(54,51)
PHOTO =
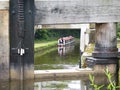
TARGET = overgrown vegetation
(118,30)
(111,83)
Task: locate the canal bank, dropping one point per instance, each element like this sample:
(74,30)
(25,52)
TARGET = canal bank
(44,45)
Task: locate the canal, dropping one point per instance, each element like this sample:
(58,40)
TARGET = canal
(63,58)
(56,58)
(66,57)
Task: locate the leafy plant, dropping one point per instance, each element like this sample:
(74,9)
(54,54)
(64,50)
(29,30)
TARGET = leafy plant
(111,85)
(95,86)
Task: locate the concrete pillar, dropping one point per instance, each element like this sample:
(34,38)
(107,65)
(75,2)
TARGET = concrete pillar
(83,27)
(105,51)
(4,40)
(105,41)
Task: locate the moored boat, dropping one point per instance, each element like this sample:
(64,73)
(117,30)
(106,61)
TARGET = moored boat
(65,41)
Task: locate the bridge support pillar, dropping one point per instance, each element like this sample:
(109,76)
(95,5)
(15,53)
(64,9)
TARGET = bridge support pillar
(105,52)
(4,40)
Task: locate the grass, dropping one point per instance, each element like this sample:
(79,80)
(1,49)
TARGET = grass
(43,45)
(40,44)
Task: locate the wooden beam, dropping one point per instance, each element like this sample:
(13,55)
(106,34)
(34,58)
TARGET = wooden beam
(76,11)
(21,39)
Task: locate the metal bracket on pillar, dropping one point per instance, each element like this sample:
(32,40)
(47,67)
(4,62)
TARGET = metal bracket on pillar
(91,61)
(105,52)
(20,51)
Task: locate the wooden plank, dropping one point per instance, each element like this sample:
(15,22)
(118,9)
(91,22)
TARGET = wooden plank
(76,11)
(4,45)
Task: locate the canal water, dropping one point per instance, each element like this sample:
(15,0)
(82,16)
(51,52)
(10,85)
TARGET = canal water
(55,58)
(58,58)
(62,58)
(67,57)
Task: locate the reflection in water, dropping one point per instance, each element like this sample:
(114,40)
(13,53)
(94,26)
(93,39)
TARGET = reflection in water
(60,58)
(17,85)
(63,50)
(4,85)
(61,85)
(82,83)
(68,60)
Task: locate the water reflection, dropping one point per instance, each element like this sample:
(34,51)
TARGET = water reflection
(81,83)
(59,58)
(61,85)
(4,85)
(17,85)
(63,50)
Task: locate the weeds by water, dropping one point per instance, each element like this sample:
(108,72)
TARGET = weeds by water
(111,85)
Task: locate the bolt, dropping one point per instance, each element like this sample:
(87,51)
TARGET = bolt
(30,12)
(13,12)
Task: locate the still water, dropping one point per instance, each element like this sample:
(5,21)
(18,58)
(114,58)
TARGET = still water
(63,58)
(55,58)
(60,58)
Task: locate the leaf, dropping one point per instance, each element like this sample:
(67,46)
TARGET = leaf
(117,86)
(101,86)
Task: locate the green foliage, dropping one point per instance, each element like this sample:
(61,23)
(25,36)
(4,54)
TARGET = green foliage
(44,34)
(118,30)
(41,34)
(95,86)
(111,86)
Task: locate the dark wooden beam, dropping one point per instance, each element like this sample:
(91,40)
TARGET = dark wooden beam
(21,39)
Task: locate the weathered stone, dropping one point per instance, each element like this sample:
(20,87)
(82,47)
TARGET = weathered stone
(4,44)
(76,11)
